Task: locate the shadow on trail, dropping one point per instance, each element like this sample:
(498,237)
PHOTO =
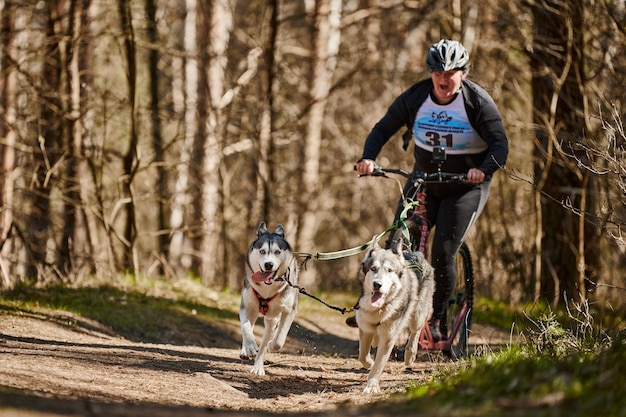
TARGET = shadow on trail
(285,386)
(19,401)
(129,314)
(285,372)
(138,356)
(143,318)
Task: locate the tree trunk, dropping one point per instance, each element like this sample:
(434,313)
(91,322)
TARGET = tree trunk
(7,148)
(325,48)
(75,257)
(157,139)
(39,237)
(218,20)
(260,209)
(130,260)
(177,255)
(91,162)
(559,116)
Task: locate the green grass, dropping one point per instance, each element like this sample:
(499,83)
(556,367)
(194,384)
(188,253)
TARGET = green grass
(578,384)
(557,370)
(148,311)
(496,313)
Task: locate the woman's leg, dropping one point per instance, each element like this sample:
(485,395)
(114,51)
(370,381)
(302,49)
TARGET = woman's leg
(453,218)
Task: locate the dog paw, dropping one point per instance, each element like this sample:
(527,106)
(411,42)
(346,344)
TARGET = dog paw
(274,347)
(372,387)
(249,351)
(257,370)
(367,362)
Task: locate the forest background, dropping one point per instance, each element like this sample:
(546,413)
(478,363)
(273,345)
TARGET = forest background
(151,137)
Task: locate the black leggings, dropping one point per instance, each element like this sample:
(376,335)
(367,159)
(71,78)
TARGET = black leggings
(451,216)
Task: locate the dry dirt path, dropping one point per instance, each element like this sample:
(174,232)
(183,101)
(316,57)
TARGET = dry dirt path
(59,364)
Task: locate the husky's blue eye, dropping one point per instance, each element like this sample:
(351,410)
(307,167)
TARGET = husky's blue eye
(262,251)
(373,268)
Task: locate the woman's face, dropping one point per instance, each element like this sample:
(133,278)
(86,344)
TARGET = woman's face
(447,84)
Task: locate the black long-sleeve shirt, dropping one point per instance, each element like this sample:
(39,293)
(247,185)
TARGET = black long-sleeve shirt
(482,113)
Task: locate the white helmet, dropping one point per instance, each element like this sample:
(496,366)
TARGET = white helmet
(447,55)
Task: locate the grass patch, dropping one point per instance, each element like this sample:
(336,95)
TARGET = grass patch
(556,370)
(143,310)
(502,315)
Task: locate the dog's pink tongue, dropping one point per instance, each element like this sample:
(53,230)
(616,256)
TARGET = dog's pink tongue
(261,276)
(377,299)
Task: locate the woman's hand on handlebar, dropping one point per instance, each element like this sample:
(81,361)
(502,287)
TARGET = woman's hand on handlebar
(475,176)
(365,166)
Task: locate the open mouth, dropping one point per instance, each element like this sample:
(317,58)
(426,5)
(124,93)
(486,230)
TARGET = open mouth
(377,299)
(263,276)
(444,88)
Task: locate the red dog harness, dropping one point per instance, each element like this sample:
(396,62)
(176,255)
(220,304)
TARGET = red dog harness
(264,303)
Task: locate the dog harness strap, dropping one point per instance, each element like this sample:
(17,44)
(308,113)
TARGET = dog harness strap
(264,303)
(328,256)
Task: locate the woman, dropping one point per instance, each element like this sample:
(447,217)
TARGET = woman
(446,110)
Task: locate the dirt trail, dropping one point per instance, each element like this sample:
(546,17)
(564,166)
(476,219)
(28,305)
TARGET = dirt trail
(59,364)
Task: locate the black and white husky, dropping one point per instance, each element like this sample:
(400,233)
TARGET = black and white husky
(269,290)
(395,296)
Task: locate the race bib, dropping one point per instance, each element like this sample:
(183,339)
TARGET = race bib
(446,125)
